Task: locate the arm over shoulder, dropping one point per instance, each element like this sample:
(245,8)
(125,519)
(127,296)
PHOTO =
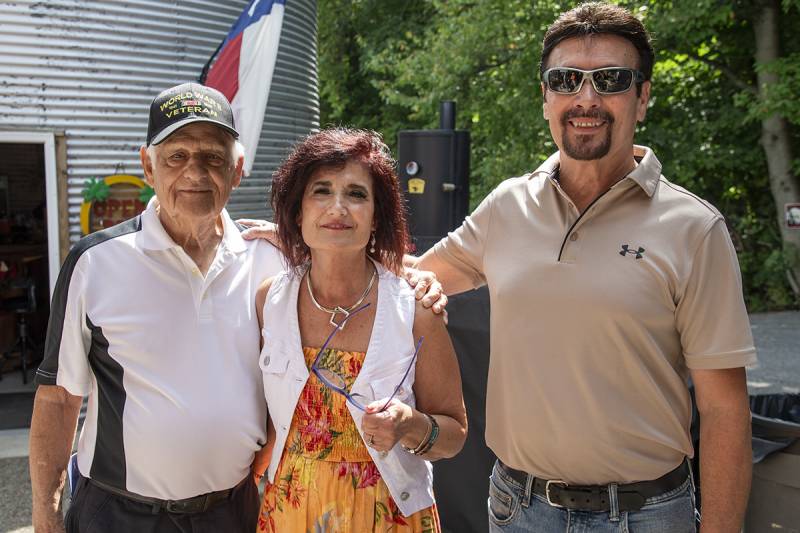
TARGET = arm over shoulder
(458,259)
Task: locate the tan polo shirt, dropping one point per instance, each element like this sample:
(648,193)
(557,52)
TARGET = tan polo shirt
(596,318)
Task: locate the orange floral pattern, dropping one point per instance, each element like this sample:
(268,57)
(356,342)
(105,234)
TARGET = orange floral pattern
(326,480)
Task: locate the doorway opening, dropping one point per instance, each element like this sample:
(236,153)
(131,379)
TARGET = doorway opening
(28,249)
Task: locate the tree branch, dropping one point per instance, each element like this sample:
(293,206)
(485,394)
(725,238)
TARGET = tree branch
(727,71)
(507,58)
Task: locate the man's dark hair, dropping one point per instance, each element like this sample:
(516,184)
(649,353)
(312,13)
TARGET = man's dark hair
(598,18)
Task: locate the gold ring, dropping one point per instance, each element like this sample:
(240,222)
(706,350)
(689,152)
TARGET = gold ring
(371,440)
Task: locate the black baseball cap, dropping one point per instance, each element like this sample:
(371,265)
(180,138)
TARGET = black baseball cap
(184,104)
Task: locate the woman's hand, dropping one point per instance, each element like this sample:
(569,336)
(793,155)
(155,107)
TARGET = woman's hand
(259,229)
(384,429)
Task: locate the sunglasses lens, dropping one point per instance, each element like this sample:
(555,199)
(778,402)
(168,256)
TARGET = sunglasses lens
(612,80)
(332,378)
(564,80)
(359,400)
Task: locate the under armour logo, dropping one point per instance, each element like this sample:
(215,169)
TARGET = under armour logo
(626,250)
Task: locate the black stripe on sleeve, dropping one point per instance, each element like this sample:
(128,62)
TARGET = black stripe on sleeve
(48,370)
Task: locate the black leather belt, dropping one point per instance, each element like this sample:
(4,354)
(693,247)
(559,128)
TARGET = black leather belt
(631,496)
(195,504)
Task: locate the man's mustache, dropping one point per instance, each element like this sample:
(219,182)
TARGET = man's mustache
(587,114)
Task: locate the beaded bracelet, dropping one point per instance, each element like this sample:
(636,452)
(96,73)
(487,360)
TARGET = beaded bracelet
(430,437)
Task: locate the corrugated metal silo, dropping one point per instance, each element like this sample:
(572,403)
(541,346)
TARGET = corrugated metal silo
(88,69)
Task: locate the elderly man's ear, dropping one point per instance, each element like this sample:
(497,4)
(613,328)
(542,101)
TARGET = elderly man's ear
(147,166)
(239,172)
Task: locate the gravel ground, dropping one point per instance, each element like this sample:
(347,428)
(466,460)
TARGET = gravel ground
(777,337)
(15,496)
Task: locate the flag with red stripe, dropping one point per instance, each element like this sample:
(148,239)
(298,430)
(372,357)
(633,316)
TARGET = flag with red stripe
(245,62)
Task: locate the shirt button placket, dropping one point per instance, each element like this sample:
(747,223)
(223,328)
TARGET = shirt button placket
(572,245)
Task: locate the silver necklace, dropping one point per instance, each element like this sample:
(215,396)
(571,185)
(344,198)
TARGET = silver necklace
(338,310)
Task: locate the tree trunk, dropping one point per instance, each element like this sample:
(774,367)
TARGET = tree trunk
(775,138)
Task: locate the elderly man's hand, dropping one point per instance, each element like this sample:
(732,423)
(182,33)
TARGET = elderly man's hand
(261,463)
(48,522)
(427,289)
(259,229)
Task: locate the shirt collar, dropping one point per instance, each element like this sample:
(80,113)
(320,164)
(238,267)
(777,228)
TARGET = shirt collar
(154,237)
(646,174)
(232,237)
(648,171)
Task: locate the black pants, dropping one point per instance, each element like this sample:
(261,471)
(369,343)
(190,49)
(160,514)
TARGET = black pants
(94,510)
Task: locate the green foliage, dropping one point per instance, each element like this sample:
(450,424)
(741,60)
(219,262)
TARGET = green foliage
(789,4)
(779,97)
(95,190)
(387,64)
(146,193)
(351,33)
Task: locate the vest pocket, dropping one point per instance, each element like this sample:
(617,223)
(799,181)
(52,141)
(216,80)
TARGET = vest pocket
(274,359)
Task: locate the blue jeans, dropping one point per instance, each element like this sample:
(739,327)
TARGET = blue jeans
(513,509)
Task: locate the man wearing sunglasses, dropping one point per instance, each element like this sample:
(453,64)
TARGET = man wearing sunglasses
(610,286)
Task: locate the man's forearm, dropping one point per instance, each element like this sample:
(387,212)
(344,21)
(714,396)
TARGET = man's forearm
(55,417)
(453,280)
(410,261)
(725,468)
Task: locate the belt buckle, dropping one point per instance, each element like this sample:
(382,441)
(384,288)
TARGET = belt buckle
(187,506)
(547,491)
(175,506)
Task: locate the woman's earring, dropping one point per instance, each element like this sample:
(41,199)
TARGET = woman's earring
(372,244)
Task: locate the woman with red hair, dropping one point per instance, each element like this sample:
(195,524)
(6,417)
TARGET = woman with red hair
(361,381)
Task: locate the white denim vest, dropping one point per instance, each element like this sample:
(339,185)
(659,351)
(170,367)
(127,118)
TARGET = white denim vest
(391,346)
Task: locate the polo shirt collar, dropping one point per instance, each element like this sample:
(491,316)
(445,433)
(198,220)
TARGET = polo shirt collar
(549,167)
(648,171)
(154,237)
(646,174)
(232,237)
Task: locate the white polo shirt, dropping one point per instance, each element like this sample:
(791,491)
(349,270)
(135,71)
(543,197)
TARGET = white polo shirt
(167,356)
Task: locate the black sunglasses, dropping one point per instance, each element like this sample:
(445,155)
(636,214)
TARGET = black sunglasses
(607,80)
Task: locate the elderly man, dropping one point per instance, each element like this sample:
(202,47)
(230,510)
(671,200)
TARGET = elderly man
(154,320)
(609,287)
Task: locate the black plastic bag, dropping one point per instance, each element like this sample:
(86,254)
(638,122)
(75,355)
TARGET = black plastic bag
(776,423)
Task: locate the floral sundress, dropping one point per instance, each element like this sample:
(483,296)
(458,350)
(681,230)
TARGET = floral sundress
(326,480)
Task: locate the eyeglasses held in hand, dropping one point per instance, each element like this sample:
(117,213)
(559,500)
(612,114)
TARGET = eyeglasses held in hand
(607,80)
(337,383)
